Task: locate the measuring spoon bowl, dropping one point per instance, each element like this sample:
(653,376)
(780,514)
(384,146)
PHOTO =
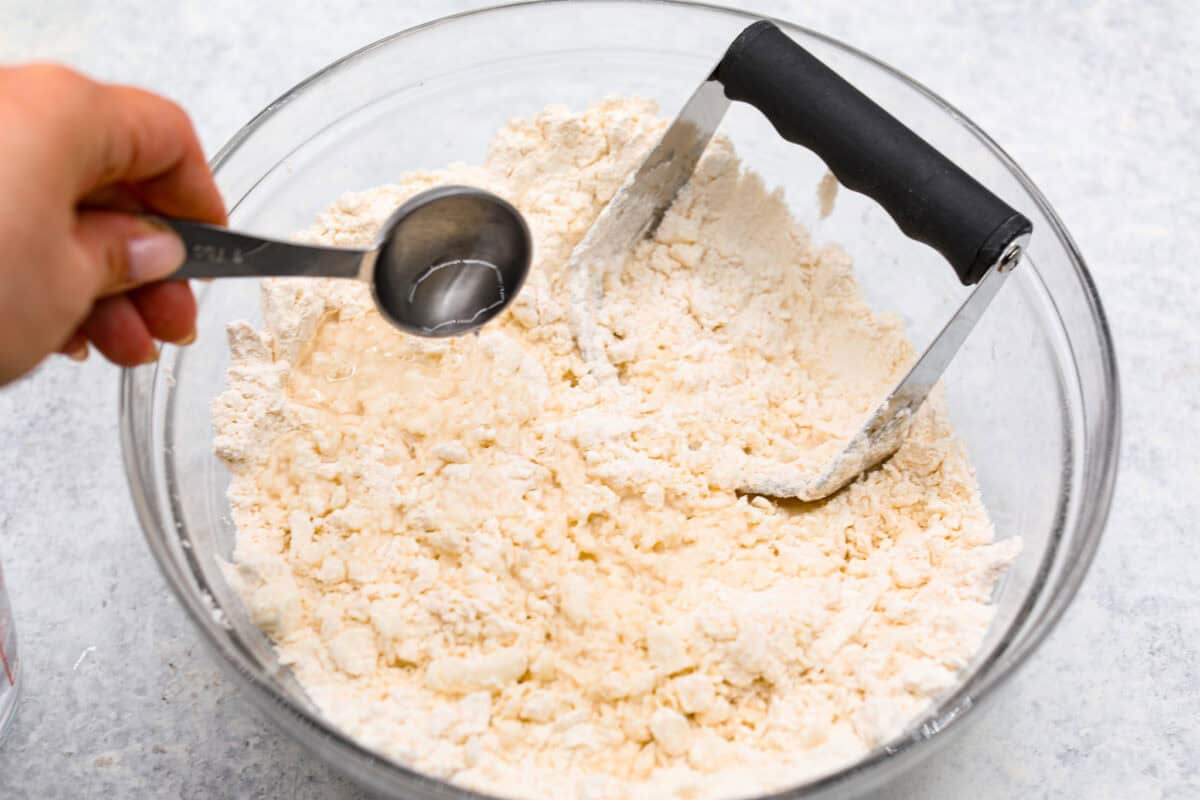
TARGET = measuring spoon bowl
(445,262)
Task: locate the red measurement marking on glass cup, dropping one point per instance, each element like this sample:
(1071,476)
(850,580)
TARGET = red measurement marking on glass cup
(5,623)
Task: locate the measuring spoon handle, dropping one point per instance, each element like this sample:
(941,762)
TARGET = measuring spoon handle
(216,252)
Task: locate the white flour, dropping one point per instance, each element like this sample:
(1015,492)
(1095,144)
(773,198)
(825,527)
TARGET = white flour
(487,564)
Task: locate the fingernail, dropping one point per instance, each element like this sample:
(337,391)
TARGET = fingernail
(151,355)
(185,341)
(154,256)
(79,353)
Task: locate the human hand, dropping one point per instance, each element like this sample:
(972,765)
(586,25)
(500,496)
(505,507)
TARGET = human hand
(75,267)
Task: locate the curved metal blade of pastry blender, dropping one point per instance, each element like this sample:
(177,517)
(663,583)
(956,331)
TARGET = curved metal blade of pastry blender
(883,432)
(635,210)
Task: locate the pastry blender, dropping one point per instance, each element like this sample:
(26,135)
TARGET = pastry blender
(869,151)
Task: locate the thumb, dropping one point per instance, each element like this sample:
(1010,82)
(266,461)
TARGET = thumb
(124,250)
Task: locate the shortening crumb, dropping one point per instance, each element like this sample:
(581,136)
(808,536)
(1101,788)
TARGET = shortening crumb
(487,563)
(827,190)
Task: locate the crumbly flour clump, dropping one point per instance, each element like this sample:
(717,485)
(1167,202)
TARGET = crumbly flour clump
(490,563)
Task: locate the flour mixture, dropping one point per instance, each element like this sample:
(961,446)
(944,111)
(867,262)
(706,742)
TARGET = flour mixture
(489,564)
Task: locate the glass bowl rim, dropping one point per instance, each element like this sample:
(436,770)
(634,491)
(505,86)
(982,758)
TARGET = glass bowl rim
(951,708)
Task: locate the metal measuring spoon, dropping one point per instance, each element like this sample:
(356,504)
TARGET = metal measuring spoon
(445,262)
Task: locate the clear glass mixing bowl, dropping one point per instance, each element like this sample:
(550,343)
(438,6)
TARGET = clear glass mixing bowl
(1034,393)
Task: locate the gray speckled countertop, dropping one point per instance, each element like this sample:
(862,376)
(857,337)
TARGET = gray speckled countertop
(1097,100)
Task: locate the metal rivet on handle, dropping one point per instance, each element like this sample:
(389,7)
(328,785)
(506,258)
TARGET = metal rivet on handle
(1011,257)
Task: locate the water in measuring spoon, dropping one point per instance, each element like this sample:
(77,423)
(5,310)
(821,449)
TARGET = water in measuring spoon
(465,289)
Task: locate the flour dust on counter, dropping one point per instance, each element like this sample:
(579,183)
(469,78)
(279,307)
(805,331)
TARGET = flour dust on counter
(486,563)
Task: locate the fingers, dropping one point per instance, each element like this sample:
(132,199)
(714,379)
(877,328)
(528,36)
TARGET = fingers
(168,311)
(101,135)
(84,157)
(118,331)
(119,251)
(124,255)
(148,143)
